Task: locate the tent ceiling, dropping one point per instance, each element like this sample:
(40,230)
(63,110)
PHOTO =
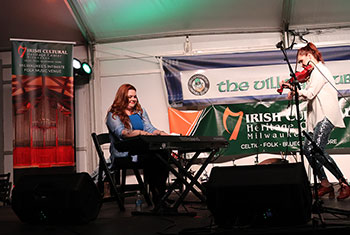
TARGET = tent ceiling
(37,19)
(98,21)
(117,20)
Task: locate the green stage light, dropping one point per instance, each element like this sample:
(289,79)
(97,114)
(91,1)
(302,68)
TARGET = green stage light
(86,68)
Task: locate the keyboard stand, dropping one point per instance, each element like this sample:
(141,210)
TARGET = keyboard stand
(162,147)
(183,173)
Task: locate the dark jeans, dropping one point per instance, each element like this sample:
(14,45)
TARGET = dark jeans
(320,136)
(155,172)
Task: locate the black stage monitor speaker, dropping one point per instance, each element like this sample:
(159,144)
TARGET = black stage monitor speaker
(259,195)
(59,198)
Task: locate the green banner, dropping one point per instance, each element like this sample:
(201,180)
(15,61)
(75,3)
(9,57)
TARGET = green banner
(263,127)
(41,59)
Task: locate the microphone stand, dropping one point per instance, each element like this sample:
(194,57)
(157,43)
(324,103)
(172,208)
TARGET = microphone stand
(296,86)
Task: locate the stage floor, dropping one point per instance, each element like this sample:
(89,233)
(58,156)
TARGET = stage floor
(111,221)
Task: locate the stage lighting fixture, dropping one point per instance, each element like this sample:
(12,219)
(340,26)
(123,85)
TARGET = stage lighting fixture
(82,72)
(86,68)
(76,63)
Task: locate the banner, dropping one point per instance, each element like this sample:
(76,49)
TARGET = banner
(263,127)
(43,111)
(241,77)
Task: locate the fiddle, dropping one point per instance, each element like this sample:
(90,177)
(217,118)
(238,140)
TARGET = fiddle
(301,77)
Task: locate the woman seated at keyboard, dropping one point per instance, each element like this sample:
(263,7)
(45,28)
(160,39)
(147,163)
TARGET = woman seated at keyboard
(126,118)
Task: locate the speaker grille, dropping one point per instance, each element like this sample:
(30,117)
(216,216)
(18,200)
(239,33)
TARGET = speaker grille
(259,195)
(65,198)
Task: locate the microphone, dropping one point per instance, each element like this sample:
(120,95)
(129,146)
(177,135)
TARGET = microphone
(280,44)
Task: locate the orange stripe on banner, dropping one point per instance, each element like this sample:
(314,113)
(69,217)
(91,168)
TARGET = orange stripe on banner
(182,122)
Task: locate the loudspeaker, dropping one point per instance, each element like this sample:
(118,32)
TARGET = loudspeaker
(59,198)
(259,195)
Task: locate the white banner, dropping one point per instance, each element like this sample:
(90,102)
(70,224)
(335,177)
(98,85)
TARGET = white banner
(249,81)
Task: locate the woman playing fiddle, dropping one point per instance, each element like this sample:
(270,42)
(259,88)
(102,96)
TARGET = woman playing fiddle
(126,118)
(323,115)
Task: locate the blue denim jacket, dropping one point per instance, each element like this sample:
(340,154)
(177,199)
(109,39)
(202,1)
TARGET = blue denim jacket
(115,128)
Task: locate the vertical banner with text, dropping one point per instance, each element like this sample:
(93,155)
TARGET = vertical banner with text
(42,95)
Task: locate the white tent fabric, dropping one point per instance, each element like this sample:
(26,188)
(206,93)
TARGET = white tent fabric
(111,20)
(100,21)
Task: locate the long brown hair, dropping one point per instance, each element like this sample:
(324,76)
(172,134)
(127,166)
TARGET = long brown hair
(310,48)
(121,102)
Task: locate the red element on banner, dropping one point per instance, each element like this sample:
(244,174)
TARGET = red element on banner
(21,51)
(43,132)
(43,157)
